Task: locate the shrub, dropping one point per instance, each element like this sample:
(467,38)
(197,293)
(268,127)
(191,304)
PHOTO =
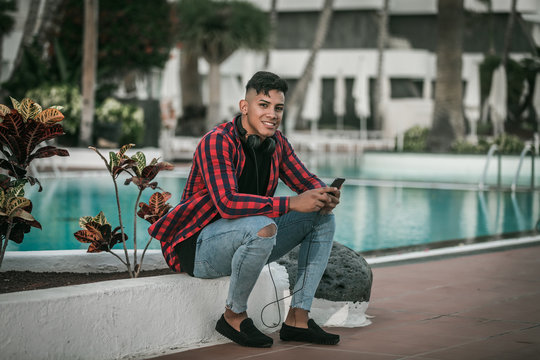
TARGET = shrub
(68,95)
(98,231)
(415,139)
(129,118)
(22,130)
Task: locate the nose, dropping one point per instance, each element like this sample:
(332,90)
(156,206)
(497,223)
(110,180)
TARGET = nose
(272,113)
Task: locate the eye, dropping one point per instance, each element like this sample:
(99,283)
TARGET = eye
(279,108)
(264,105)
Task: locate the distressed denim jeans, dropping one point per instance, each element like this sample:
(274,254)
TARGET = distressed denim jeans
(234,248)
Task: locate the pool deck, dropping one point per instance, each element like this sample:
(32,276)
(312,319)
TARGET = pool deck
(481,306)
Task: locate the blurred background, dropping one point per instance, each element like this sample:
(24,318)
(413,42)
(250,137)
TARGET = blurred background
(395,75)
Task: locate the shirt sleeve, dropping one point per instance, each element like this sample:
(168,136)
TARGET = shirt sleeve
(293,172)
(215,156)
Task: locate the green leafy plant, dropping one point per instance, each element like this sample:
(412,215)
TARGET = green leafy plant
(415,139)
(506,144)
(129,120)
(142,175)
(67,95)
(22,130)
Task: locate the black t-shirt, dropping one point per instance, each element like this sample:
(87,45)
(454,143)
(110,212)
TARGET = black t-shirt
(253,180)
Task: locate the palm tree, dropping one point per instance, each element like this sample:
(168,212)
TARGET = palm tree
(381,43)
(299,92)
(89,70)
(216,30)
(448,123)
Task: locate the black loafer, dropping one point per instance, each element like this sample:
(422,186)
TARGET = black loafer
(313,334)
(248,335)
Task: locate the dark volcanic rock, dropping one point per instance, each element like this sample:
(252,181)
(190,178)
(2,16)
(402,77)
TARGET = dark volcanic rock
(348,276)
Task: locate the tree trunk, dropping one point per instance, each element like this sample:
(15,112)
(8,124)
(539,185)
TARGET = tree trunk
(28,31)
(448,123)
(89,70)
(214,81)
(193,118)
(273,35)
(381,43)
(299,92)
(508,34)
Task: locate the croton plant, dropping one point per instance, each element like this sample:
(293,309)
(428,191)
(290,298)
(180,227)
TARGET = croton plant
(23,129)
(97,231)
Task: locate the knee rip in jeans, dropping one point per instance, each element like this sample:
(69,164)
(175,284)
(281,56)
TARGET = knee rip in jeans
(268,231)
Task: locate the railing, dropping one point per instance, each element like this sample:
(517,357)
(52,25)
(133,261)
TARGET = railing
(494,148)
(528,148)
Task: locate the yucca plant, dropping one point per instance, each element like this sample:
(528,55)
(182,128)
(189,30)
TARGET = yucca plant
(22,130)
(141,174)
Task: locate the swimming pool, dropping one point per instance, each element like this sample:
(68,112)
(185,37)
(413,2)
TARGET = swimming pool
(372,215)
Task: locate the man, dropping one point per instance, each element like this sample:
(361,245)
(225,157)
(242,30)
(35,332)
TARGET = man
(229,223)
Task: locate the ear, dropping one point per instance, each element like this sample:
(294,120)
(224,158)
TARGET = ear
(243,105)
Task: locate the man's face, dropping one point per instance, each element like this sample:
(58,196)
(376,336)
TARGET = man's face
(262,114)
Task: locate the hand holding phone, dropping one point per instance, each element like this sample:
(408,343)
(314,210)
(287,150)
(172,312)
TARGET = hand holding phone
(338,182)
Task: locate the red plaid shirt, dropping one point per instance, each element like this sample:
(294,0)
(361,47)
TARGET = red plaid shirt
(212,188)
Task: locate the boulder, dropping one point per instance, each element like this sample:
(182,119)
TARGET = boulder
(347,277)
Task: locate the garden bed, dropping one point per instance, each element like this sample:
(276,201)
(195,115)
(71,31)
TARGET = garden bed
(12,281)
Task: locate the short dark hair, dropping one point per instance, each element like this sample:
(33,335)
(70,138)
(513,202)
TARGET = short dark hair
(264,81)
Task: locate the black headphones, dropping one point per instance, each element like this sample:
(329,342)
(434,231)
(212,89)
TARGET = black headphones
(268,146)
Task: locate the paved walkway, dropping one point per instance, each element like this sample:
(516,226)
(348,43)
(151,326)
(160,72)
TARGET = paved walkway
(484,306)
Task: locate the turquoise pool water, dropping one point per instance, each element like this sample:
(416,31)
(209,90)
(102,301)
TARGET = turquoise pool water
(368,218)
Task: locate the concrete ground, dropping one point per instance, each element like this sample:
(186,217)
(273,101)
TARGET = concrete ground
(483,306)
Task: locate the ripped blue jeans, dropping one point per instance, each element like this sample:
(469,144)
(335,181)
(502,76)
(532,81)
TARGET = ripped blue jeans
(234,248)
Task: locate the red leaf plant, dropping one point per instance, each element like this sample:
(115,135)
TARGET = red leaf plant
(140,174)
(22,130)
(15,213)
(98,232)
(157,207)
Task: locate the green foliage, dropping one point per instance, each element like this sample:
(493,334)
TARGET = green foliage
(133,36)
(216,29)
(509,144)
(462,146)
(415,139)
(66,94)
(129,117)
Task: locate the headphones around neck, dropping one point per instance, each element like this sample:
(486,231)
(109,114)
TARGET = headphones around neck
(268,146)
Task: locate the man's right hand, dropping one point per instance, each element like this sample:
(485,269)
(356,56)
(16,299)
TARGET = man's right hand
(311,200)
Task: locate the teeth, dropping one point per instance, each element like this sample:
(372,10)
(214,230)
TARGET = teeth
(268,123)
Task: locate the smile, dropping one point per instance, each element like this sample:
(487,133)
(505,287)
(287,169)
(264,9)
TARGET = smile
(269,124)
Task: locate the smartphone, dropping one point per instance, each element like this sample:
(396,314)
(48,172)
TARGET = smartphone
(337,183)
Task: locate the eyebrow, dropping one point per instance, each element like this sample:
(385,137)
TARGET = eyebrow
(268,102)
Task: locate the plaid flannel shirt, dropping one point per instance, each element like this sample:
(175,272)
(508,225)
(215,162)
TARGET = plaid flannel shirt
(212,188)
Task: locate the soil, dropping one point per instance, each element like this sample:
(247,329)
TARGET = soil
(12,281)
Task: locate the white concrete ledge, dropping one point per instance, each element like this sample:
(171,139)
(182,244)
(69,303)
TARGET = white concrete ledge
(131,318)
(78,261)
(134,318)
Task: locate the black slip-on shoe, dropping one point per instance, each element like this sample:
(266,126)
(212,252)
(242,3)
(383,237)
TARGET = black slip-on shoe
(313,334)
(248,335)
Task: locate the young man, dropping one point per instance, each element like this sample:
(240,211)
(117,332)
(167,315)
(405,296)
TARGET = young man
(229,223)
